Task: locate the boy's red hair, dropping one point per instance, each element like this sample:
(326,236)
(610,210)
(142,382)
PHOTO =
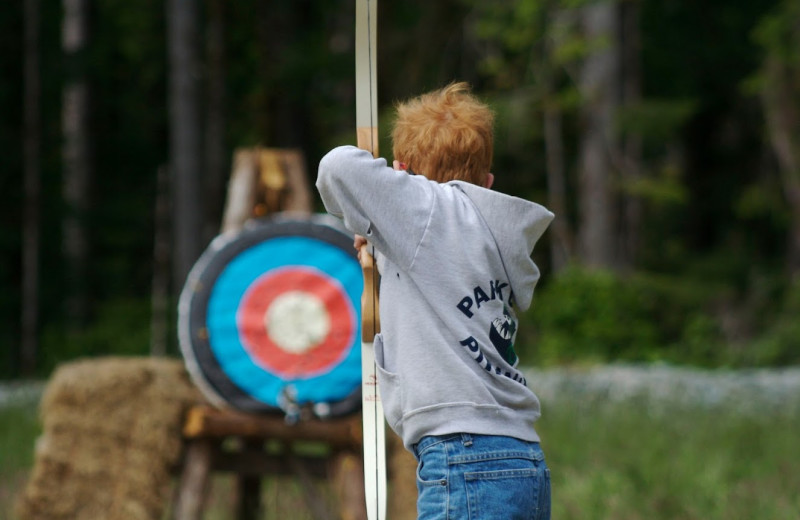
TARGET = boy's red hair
(445,135)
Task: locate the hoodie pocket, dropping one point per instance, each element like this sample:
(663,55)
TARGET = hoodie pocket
(389,386)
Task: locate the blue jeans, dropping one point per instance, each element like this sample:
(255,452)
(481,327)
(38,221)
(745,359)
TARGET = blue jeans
(481,477)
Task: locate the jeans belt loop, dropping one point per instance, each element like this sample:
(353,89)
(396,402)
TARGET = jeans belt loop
(466,439)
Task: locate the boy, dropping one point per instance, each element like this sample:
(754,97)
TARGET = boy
(454,259)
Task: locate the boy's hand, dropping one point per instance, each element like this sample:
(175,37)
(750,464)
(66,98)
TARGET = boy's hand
(358,243)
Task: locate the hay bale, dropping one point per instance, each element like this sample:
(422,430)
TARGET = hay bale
(111,438)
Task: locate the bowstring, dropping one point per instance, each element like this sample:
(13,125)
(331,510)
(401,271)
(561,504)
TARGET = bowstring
(375,287)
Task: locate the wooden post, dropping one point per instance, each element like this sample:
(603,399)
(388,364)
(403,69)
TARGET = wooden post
(347,479)
(193,484)
(249,487)
(266,181)
(241,191)
(314,499)
(299,193)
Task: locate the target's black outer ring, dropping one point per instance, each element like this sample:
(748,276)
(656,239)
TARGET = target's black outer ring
(194,343)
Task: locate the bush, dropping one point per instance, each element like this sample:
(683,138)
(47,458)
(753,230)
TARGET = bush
(591,315)
(780,343)
(598,316)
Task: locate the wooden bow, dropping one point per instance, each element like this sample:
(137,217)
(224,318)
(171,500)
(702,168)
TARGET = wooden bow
(367,136)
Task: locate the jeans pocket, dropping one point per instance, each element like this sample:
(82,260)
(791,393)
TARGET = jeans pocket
(432,492)
(429,475)
(544,497)
(510,494)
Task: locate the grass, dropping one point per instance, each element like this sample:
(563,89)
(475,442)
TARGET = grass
(19,427)
(607,461)
(628,463)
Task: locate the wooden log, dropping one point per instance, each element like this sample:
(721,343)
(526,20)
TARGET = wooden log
(253,463)
(205,421)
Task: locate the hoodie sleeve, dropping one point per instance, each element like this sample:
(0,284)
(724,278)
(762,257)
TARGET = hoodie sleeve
(390,208)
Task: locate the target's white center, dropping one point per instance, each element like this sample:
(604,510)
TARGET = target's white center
(297,321)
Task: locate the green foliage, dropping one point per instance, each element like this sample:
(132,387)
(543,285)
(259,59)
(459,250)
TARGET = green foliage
(780,342)
(777,34)
(598,316)
(122,327)
(656,120)
(661,187)
(714,212)
(763,201)
(586,316)
(591,315)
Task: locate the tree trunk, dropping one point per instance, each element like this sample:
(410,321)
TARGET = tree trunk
(216,116)
(599,88)
(793,255)
(184,135)
(159,296)
(31,220)
(562,242)
(561,248)
(783,125)
(282,122)
(631,170)
(77,169)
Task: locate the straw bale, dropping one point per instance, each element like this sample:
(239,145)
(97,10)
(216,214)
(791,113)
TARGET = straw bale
(111,437)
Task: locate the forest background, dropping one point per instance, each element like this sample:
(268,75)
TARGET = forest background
(665,135)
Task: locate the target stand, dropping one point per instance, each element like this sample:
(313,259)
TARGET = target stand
(253,446)
(269,329)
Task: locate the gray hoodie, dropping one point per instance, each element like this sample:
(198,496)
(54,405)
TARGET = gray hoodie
(455,264)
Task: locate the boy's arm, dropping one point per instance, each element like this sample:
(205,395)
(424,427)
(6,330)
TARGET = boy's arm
(389,208)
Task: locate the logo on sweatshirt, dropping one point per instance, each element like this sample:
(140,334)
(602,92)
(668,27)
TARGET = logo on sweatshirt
(501,333)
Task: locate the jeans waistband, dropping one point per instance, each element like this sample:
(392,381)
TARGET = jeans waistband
(466,439)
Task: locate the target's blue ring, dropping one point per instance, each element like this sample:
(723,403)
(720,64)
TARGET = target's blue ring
(228,291)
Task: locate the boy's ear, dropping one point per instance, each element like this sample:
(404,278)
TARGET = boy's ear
(489,181)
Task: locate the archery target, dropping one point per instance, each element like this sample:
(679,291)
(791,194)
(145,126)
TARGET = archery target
(269,318)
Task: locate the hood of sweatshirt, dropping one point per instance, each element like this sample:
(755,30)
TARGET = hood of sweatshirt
(516,225)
